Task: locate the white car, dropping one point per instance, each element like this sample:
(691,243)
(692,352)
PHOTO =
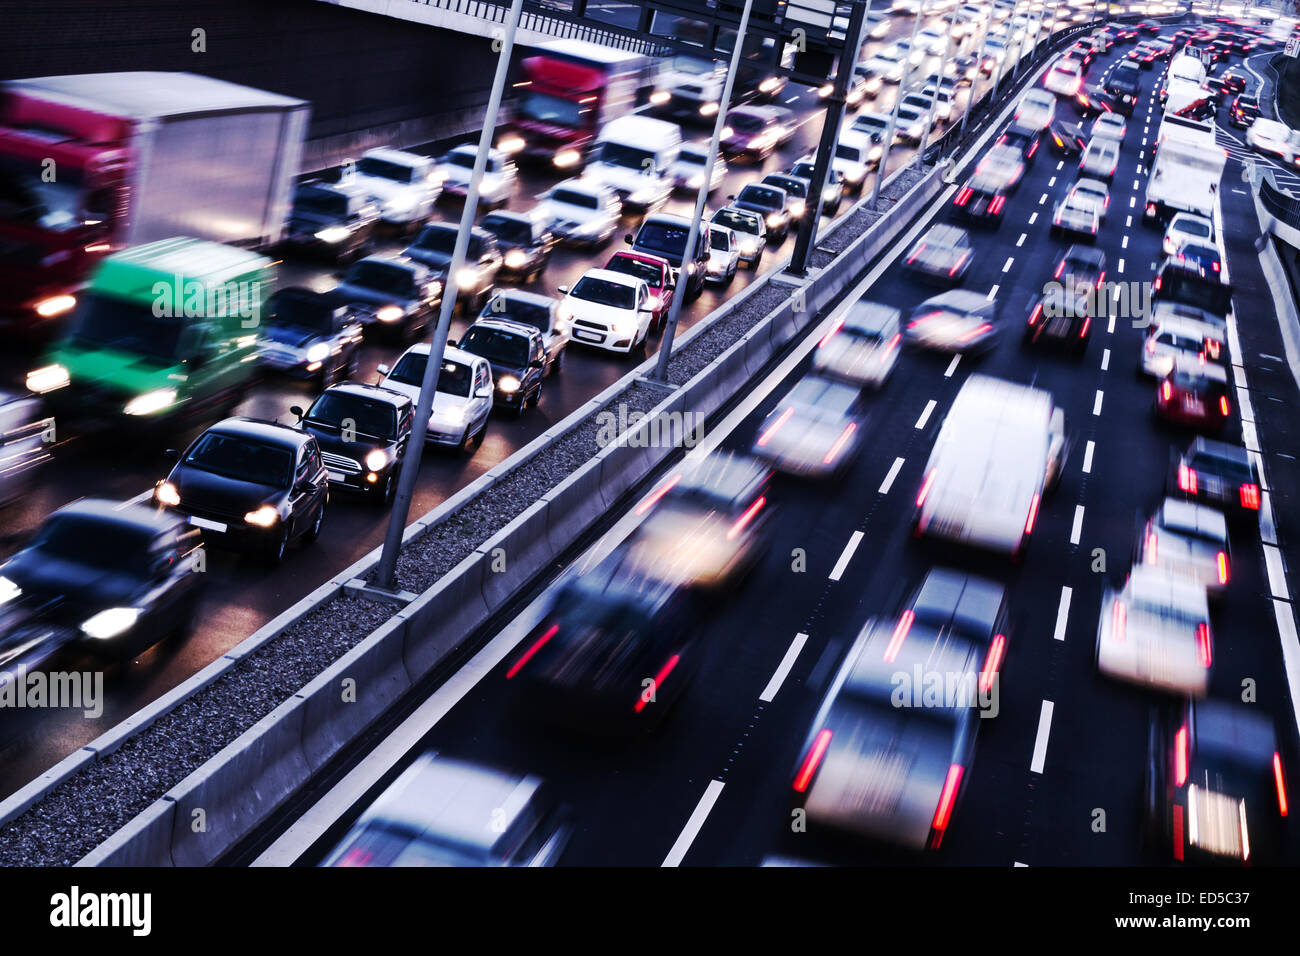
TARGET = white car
(688,171)
(909,125)
(1111,125)
(1078,214)
(1100,159)
(933,41)
(1156,632)
(1190,541)
(724,255)
(863,346)
(814,430)
(581,212)
(852,159)
(463,401)
(888,65)
(404,185)
(497,184)
(943,101)
(1187,228)
(1064,78)
(1037,110)
(1094,189)
(608,310)
(874,126)
(1277,139)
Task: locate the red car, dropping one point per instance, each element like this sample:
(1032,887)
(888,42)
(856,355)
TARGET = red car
(658,275)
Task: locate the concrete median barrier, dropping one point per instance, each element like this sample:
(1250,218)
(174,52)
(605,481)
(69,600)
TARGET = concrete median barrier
(573,506)
(443,616)
(515,555)
(145,841)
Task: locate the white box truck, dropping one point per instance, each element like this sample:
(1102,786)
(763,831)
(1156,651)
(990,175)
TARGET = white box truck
(1186,172)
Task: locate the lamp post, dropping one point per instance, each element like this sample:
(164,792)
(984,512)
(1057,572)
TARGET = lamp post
(938,87)
(893,114)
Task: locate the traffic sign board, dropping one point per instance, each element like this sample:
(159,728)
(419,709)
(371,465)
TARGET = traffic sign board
(1292,46)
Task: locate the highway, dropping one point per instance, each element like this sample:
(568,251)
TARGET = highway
(712,786)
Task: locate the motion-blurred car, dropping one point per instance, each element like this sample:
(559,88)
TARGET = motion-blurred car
(1218,474)
(665,235)
(517,356)
(1190,541)
(656,272)
(334,219)
(1093,99)
(1064,77)
(1081,269)
(1155,631)
(1066,139)
(956,321)
(814,430)
(1002,168)
(862,347)
(107,577)
(525,244)
(1244,110)
(750,230)
(391,294)
(1185,228)
(1023,139)
(462,402)
(1077,214)
(724,255)
(909,124)
(796,191)
(753,133)
(1111,125)
(447,812)
(608,310)
(26,435)
(1170,338)
(250,485)
(362,431)
(310,335)
(581,212)
(539,311)
(832,195)
(496,185)
(856,154)
(1062,319)
(1215,788)
(944,253)
(980,204)
(1195,393)
(434,247)
(770,202)
(1100,159)
(1095,189)
(1202,258)
(1274,138)
(404,185)
(1037,110)
(688,171)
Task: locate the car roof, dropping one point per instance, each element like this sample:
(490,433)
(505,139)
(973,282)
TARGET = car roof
(610,276)
(451,352)
(522,295)
(397,260)
(400,156)
(870,316)
(645,257)
(958,300)
(135,515)
(1233,730)
(946,233)
(960,598)
(1156,585)
(1178,515)
(505,325)
(262,430)
(583,184)
(366,390)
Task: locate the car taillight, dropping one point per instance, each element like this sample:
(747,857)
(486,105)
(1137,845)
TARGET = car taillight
(1281,786)
(1203,651)
(1180,756)
(1033,513)
(1187,482)
(746,518)
(1118,620)
(1166,391)
(839,443)
(1087,323)
(1223,405)
(1033,316)
(947,798)
(925,488)
(839,324)
(901,630)
(963,197)
(992,661)
(1059,269)
(533,649)
(810,762)
(996,205)
(663,489)
(1153,547)
(1222,564)
(644,698)
(775,427)
(1250,497)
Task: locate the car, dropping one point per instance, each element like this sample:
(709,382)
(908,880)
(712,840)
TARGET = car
(1080,53)
(1065,77)
(1081,269)
(921,103)
(1061,318)
(1066,139)
(859,89)
(956,321)
(434,247)
(609,310)
(665,236)
(1244,110)
(862,346)
(580,212)
(1234,80)
(524,242)
(871,82)
(1217,474)
(402,184)
(446,812)
(832,195)
(1100,159)
(750,230)
(310,335)
(724,255)
(853,159)
(1036,110)
(1214,787)
(770,202)
(362,432)
(462,402)
(334,219)
(539,311)
(496,185)
(1144,55)
(979,204)
(873,126)
(1077,214)
(249,485)
(909,123)
(688,171)
(1186,228)
(933,41)
(813,431)
(1093,99)
(391,294)
(1200,257)
(707,524)
(1190,541)
(1274,138)
(1125,85)
(1173,332)
(1195,393)
(1155,632)
(658,275)
(796,191)
(964,68)
(753,133)
(517,356)
(102,578)
(26,437)
(888,64)
(943,253)
(1026,141)
(1001,168)
(1111,125)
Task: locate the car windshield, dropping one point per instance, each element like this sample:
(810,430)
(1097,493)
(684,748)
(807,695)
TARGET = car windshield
(96,541)
(719,240)
(365,416)
(745,122)
(629,157)
(1193,228)
(792,186)
(665,239)
(628,266)
(604,292)
(692,158)
(323,202)
(571,197)
(761,196)
(108,323)
(381,276)
(851,153)
(454,379)
(517,310)
(739,221)
(508,229)
(309,313)
(497,346)
(437,239)
(243,459)
(383,169)
(465,160)
(51,202)
(550,109)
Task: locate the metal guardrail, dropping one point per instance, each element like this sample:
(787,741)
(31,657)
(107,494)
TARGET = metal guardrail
(561,29)
(1279,203)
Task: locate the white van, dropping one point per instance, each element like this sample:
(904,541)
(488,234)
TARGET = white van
(634,157)
(404,185)
(1000,449)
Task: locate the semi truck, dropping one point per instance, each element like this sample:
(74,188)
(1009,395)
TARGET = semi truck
(1183,93)
(93,163)
(569,90)
(1186,172)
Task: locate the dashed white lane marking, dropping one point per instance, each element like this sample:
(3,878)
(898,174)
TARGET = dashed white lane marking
(1096,405)
(993,293)
(1060,165)
(1007,266)
(1124,243)
(1040,741)
(793,98)
(1051,182)
(1132,201)
(1105,359)
(1128,222)
(1062,614)
(1033,218)
(889,478)
(1121,266)
(694,824)
(925,415)
(1042,199)
(1021,241)
(1110,325)
(846,555)
(952,366)
(138,499)
(1276,572)
(1076,532)
(1087,457)
(1018,863)
(1137,183)
(783,670)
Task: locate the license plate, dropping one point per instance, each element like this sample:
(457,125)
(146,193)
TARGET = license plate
(588,336)
(1193,406)
(205,523)
(334,475)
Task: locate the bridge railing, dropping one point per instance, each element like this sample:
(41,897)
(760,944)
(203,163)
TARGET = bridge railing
(497,11)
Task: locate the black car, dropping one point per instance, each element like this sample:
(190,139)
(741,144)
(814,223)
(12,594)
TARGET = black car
(362,431)
(1094,99)
(1125,85)
(1234,80)
(1061,319)
(1081,268)
(250,485)
(770,202)
(517,355)
(1244,110)
(1022,138)
(539,311)
(310,335)
(834,192)
(332,219)
(1184,282)
(99,576)
(524,243)
(1217,474)
(795,188)
(1195,393)
(1067,139)
(391,295)
(979,205)
(434,246)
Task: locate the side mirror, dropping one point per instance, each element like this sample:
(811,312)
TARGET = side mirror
(628,238)
(535,363)
(484,392)
(304,487)
(297,411)
(562,289)
(382,369)
(171,454)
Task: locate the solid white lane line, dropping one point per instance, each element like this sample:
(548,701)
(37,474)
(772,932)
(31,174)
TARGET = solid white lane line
(952,366)
(1276,572)
(925,415)
(1077,531)
(1062,614)
(1290,650)
(1087,457)
(694,824)
(889,478)
(783,670)
(1105,359)
(1040,741)
(846,555)
(1096,405)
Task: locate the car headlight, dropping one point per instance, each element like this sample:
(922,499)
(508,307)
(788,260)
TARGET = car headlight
(708,109)
(333,234)
(797,209)
(563,314)
(625,325)
(8,590)
(467,279)
(654,302)
(390,313)
(511,143)
(376,459)
(166,494)
(508,384)
(768,85)
(853,176)
(151,402)
(399,206)
(55,305)
(773,220)
(690,268)
(318,352)
(875,152)
(47,379)
(111,623)
(825,90)
(516,259)
(748,246)
(263,517)
(695,182)
(660,97)
(566,158)
(915,130)
(644,194)
(454,414)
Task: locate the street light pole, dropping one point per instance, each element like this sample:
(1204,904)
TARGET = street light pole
(386,575)
(701,197)
(893,114)
(938,87)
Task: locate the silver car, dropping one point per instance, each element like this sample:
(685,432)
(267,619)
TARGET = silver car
(863,346)
(1190,541)
(26,436)
(1155,631)
(814,430)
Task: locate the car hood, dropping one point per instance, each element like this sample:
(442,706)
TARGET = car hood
(204,491)
(357,294)
(77,590)
(292,336)
(584,309)
(304,221)
(439,262)
(442,402)
(128,371)
(384,189)
(333,442)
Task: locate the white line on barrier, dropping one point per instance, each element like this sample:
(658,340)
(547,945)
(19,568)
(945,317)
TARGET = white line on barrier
(141,497)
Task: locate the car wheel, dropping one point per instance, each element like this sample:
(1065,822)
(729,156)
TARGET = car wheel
(731,275)
(557,363)
(384,496)
(470,443)
(313,532)
(274,553)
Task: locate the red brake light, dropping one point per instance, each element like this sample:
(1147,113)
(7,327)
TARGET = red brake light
(925,488)
(642,699)
(1281,786)
(1250,497)
(1187,482)
(839,443)
(1118,619)
(901,630)
(815,754)
(528,654)
(1166,391)
(992,661)
(1203,651)
(1180,756)
(996,205)
(1223,567)
(1038,310)
(948,796)
(776,425)
(1060,267)
(654,498)
(1033,513)
(1223,405)
(1153,545)
(1087,322)
(745,518)
(839,324)
(964,196)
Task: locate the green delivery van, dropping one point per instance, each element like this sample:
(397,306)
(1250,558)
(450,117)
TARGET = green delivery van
(167,334)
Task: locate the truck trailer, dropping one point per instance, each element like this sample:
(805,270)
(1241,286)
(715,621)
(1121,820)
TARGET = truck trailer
(1186,171)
